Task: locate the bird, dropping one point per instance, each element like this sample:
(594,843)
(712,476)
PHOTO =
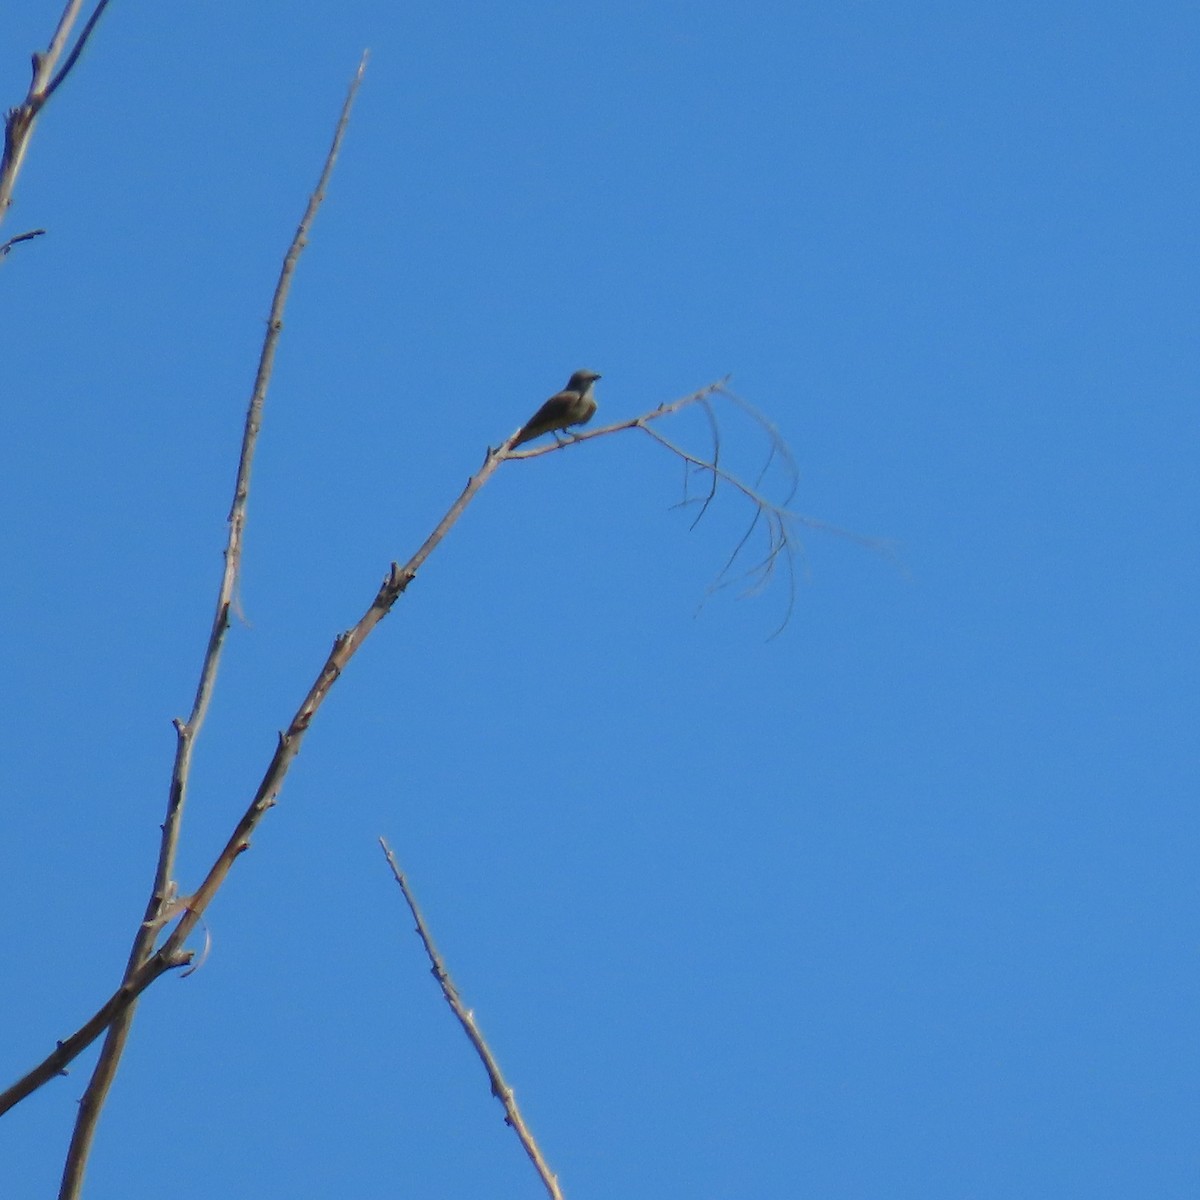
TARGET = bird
(574,405)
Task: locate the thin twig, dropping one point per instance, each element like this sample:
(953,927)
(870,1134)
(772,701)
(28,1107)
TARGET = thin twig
(18,125)
(76,51)
(161,894)
(779,521)
(715,430)
(21,237)
(500,1088)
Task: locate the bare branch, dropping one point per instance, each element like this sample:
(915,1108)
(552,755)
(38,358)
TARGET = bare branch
(76,50)
(172,952)
(782,542)
(715,430)
(779,522)
(69,1049)
(162,891)
(500,1088)
(19,123)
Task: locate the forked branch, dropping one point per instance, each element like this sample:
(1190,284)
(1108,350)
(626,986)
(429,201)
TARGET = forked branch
(47,78)
(189,910)
(779,524)
(162,899)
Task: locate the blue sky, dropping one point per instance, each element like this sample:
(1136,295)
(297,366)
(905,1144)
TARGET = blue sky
(900,903)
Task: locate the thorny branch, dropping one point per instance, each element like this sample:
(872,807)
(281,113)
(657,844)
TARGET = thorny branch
(466,1018)
(47,78)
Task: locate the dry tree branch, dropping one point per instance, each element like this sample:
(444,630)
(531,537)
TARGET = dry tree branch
(47,78)
(500,1088)
(145,964)
(161,894)
(172,953)
(780,522)
(715,431)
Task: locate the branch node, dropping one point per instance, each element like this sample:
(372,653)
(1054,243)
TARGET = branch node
(399,578)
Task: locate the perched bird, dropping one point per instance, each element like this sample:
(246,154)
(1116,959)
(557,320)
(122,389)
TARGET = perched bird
(572,406)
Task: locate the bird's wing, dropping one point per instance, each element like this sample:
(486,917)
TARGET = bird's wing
(557,407)
(554,414)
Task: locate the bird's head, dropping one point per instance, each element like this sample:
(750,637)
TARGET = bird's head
(581,381)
